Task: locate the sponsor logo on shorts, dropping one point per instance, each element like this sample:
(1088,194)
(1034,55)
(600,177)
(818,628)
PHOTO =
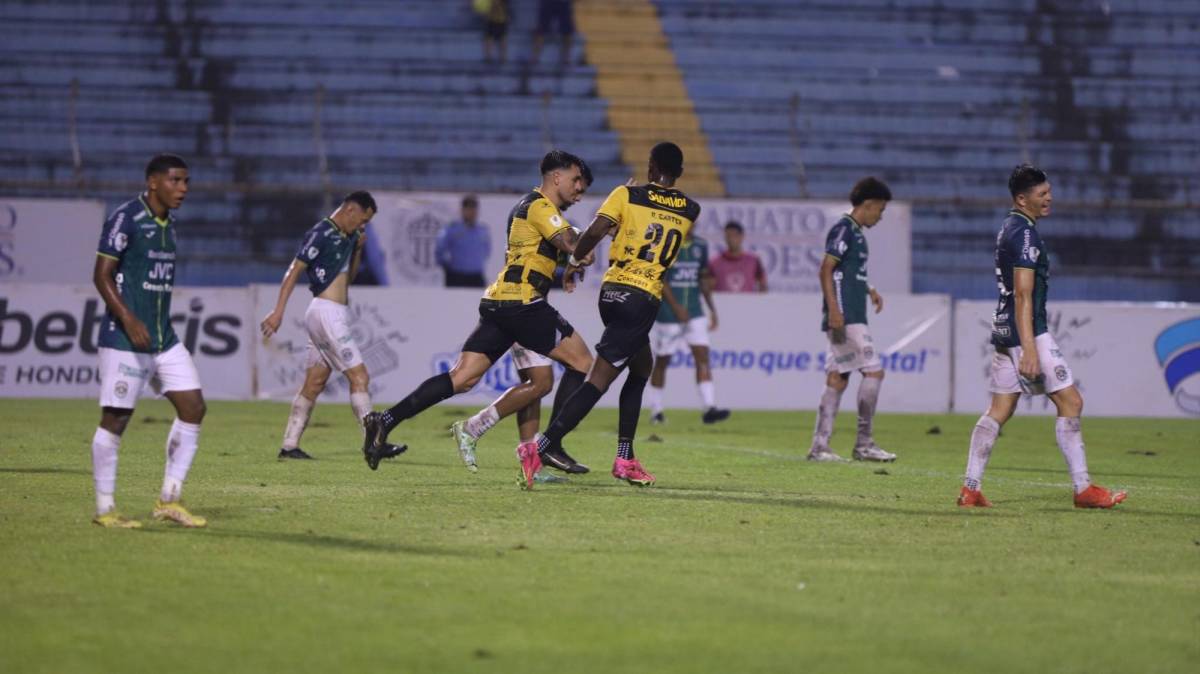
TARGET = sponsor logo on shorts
(138,373)
(614,296)
(1056,353)
(121,389)
(347,354)
(1060,372)
(868,352)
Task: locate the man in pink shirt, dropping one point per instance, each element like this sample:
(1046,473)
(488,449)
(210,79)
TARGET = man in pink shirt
(737,270)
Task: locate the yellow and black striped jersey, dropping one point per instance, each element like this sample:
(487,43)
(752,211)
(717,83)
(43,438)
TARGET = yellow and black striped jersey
(530,258)
(653,221)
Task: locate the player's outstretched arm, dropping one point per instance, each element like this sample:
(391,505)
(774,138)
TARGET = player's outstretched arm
(566,240)
(582,249)
(270,324)
(1029,367)
(104,278)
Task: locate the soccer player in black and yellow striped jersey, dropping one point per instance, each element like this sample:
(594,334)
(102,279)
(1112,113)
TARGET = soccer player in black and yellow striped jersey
(648,224)
(513,310)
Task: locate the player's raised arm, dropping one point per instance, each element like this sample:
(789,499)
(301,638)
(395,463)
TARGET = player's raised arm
(270,324)
(104,278)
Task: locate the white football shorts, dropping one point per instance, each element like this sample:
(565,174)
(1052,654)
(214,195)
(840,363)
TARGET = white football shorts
(330,339)
(667,338)
(1006,378)
(855,352)
(523,358)
(123,374)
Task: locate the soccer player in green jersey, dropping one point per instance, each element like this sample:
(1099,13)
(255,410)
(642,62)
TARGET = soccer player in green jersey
(135,273)
(1027,359)
(329,258)
(681,320)
(845,290)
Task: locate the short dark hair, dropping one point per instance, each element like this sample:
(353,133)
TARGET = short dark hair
(734,224)
(470,200)
(1023,177)
(869,188)
(560,159)
(161,163)
(668,158)
(586,172)
(363,198)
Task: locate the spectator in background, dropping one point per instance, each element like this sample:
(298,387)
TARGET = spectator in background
(736,270)
(495,28)
(561,14)
(463,248)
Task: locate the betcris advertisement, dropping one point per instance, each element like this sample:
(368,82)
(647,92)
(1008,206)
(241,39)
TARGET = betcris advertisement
(49,332)
(1128,359)
(767,352)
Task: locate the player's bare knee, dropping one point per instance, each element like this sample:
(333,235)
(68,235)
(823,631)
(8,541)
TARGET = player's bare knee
(115,420)
(193,411)
(838,381)
(877,374)
(463,381)
(359,380)
(1068,402)
(542,383)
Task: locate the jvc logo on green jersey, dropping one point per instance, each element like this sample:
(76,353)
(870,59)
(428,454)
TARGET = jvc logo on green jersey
(681,274)
(162,271)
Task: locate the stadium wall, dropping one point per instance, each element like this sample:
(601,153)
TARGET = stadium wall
(789,236)
(768,353)
(48,240)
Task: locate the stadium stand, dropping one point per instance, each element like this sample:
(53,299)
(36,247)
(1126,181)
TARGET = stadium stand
(940,98)
(790,99)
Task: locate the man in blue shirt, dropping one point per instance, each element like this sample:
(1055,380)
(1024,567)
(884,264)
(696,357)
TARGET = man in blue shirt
(135,274)
(463,247)
(1027,359)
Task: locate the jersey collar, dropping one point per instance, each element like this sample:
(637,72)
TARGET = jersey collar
(162,222)
(336,229)
(539,191)
(1017,212)
(852,221)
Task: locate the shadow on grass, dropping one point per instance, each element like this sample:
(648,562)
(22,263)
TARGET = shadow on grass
(757,498)
(1125,510)
(1062,472)
(313,539)
(47,471)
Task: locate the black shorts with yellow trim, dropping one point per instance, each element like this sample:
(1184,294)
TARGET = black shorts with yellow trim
(537,326)
(628,314)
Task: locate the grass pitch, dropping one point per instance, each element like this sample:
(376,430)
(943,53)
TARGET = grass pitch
(744,558)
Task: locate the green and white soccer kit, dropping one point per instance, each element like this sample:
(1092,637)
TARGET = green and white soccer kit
(144,248)
(853,349)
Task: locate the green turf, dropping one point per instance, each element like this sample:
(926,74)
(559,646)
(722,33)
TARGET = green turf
(744,558)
